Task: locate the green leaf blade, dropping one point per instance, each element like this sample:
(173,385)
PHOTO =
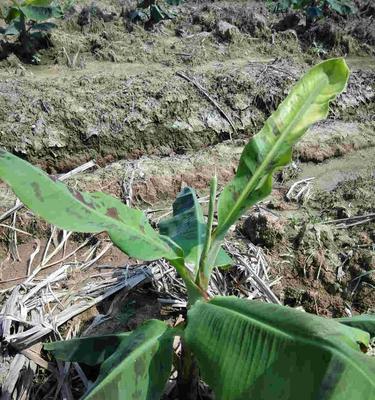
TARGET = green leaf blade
(40,13)
(11,14)
(247,349)
(187,226)
(78,211)
(271,148)
(365,322)
(139,368)
(92,350)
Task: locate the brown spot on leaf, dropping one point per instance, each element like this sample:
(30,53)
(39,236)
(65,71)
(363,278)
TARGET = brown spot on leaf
(113,213)
(79,196)
(37,191)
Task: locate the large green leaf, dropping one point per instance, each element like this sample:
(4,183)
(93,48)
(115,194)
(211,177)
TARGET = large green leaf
(187,228)
(139,368)
(90,350)
(39,13)
(366,322)
(85,212)
(271,148)
(248,349)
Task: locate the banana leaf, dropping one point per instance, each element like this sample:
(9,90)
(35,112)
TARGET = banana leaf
(248,349)
(187,228)
(92,350)
(271,149)
(366,322)
(78,211)
(39,13)
(139,368)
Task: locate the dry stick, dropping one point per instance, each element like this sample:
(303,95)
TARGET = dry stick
(42,266)
(45,253)
(33,335)
(70,254)
(32,256)
(63,177)
(213,101)
(16,229)
(352,221)
(13,249)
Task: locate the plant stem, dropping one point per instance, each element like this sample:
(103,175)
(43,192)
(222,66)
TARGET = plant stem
(194,291)
(204,267)
(188,377)
(23,32)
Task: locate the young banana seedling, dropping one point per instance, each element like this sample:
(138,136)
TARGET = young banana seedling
(243,349)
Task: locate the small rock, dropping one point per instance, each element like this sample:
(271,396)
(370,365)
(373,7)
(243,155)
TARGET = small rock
(227,31)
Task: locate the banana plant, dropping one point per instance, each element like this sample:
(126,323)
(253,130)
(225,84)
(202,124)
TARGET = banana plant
(29,20)
(313,9)
(151,12)
(243,349)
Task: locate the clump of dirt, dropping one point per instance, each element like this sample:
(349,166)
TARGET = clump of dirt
(263,229)
(248,17)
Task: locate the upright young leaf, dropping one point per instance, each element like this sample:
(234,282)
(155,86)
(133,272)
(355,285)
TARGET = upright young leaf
(140,366)
(91,350)
(248,349)
(187,228)
(271,148)
(85,212)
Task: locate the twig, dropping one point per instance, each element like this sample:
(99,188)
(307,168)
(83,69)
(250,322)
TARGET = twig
(300,190)
(213,101)
(16,229)
(351,221)
(32,256)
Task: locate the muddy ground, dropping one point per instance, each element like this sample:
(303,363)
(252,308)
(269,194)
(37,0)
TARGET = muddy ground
(142,104)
